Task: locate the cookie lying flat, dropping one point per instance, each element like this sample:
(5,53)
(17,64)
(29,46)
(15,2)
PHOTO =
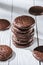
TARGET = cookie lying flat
(14,29)
(5,52)
(38,53)
(24,22)
(36,10)
(4,24)
(22,41)
(23,45)
(24,36)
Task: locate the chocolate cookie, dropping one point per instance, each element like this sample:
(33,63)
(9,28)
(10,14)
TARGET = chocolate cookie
(23,45)
(14,29)
(36,10)
(5,52)
(38,53)
(24,22)
(24,36)
(4,24)
(22,41)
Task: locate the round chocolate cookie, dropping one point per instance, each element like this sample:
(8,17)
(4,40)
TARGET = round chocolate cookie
(22,41)
(24,36)
(5,52)
(38,53)
(14,29)
(23,45)
(24,22)
(4,24)
(36,10)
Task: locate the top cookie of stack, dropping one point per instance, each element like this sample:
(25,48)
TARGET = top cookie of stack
(23,31)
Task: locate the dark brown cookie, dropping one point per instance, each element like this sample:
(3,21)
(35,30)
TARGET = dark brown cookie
(23,45)
(5,52)
(4,24)
(36,10)
(24,22)
(24,36)
(14,29)
(24,29)
(38,53)
(22,41)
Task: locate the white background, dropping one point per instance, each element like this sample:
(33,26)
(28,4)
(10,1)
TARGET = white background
(20,7)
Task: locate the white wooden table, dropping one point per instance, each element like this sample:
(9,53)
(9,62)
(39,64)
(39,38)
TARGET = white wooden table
(10,9)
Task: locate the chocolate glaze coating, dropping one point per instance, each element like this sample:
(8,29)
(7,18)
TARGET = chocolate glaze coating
(24,21)
(36,10)
(22,41)
(38,53)
(23,45)
(5,52)
(14,29)
(4,24)
(23,29)
(25,35)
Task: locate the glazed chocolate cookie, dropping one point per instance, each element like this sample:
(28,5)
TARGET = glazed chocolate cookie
(23,45)
(4,24)
(36,10)
(22,41)
(5,52)
(14,29)
(24,36)
(38,53)
(24,22)
(24,29)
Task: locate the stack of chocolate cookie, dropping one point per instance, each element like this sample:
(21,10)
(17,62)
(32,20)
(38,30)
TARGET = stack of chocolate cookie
(23,31)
